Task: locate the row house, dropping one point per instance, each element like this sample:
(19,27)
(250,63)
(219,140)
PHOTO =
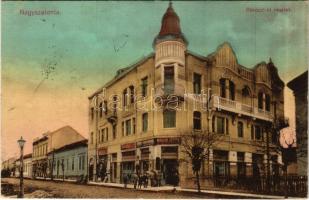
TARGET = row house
(134,126)
(50,141)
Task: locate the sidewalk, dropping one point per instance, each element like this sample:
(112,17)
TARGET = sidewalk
(179,189)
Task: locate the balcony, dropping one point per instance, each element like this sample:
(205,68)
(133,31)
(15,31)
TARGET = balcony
(170,94)
(239,108)
(111,116)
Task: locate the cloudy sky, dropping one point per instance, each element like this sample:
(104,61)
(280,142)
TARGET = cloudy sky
(88,41)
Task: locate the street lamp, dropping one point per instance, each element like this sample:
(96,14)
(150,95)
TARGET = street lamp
(21,143)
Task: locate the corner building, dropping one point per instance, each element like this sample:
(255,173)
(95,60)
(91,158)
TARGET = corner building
(131,130)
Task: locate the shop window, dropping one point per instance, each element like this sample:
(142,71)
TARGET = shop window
(169,82)
(145,122)
(197,120)
(128,127)
(169,118)
(240,128)
(241,165)
(221,164)
(197,83)
(144,86)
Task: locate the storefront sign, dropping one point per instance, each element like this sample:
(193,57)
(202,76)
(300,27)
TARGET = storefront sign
(102,151)
(128,146)
(145,143)
(168,141)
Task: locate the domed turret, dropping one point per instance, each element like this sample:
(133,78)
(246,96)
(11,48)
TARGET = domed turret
(170,27)
(170,44)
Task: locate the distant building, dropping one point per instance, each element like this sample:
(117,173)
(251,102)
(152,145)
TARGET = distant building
(9,164)
(299,85)
(128,135)
(49,142)
(69,161)
(27,166)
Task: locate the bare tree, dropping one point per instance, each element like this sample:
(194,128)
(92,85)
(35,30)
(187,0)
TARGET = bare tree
(196,146)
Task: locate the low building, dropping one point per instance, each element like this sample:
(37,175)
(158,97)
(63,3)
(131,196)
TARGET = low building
(9,164)
(27,166)
(49,142)
(69,161)
(299,85)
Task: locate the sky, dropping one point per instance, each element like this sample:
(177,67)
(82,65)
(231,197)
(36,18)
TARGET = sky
(52,63)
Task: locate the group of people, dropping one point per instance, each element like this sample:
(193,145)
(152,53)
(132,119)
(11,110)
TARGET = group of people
(140,180)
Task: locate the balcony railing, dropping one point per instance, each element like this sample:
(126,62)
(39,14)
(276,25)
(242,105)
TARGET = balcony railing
(237,107)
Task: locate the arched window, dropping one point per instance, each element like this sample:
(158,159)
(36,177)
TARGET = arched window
(131,94)
(267,102)
(124,97)
(101,109)
(197,120)
(260,100)
(222,88)
(246,96)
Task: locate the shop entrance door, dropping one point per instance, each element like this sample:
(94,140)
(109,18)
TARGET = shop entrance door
(170,171)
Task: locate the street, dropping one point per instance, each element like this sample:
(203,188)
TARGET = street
(72,190)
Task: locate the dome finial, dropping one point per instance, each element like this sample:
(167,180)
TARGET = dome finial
(270,60)
(170,3)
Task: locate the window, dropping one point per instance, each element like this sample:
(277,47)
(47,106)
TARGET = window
(260,100)
(240,128)
(232,90)
(197,120)
(105,107)
(103,135)
(131,94)
(134,125)
(128,127)
(92,113)
(145,122)
(99,138)
(122,128)
(101,109)
(114,131)
(241,165)
(258,134)
(197,83)
(79,162)
(67,164)
(222,88)
(144,86)
(220,125)
(169,118)
(169,80)
(252,132)
(73,164)
(124,97)
(267,102)
(91,138)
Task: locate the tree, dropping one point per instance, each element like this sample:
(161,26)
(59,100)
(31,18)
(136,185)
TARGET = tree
(196,146)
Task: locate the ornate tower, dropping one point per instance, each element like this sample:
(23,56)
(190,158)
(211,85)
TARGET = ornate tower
(170,44)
